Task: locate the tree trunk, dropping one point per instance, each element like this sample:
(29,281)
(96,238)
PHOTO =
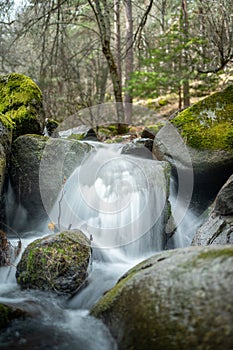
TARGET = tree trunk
(117,25)
(102,15)
(128,59)
(186,92)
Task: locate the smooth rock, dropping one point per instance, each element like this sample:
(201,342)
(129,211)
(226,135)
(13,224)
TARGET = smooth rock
(177,300)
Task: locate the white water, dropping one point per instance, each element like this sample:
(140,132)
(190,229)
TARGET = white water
(117,199)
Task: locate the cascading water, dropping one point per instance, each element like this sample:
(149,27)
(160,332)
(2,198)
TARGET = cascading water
(121,201)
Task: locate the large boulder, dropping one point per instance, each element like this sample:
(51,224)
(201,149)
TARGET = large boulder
(58,262)
(176,300)
(218,228)
(21,101)
(200,138)
(37,169)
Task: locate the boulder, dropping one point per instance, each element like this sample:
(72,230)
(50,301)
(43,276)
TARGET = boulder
(224,201)
(27,151)
(177,300)
(58,263)
(79,133)
(200,139)
(37,169)
(139,148)
(21,101)
(218,228)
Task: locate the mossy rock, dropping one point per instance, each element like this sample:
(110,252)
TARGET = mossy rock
(21,104)
(27,151)
(208,124)
(176,300)
(8,314)
(38,166)
(58,263)
(211,167)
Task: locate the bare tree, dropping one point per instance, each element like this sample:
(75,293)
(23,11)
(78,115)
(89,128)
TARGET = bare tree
(128,59)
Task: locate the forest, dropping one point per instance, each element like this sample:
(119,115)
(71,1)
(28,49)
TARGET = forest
(116,174)
(83,53)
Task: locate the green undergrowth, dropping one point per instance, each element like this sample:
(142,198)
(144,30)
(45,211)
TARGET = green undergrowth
(208,124)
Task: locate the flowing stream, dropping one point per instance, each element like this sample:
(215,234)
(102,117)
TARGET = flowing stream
(120,201)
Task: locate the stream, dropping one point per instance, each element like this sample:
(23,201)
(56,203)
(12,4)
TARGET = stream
(119,200)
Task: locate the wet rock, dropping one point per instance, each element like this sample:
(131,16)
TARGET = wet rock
(21,102)
(57,262)
(218,228)
(224,200)
(38,168)
(139,148)
(187,161)
(177,300)
(79,133)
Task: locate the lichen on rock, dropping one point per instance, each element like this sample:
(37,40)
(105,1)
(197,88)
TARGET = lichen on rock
(57,263)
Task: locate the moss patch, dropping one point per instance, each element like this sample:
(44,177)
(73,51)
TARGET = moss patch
(57,262)
(208,124)
(20,101)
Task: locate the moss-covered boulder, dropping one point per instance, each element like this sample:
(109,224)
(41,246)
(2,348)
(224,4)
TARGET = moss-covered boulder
(208,124)
(8,314)
(176,300)
(57,262)
(21,102)
(218,228)
(37,169)
(206,130)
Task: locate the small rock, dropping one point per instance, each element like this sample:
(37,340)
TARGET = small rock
(58,262)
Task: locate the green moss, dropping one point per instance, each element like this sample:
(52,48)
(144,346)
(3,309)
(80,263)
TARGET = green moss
(6,121)
(17,90)
(78,137)
(208,124)
(155,128)
(163,102)
(213,254)
(20,99)
(46,262)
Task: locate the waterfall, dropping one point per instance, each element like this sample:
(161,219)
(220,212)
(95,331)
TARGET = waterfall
(116,199)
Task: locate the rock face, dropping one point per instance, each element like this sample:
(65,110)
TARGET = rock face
(27,151)
(5,145)
(32,181)
(224,200)
(176,300)
(200,138)
(218,228)
(57,262)
(21,101)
